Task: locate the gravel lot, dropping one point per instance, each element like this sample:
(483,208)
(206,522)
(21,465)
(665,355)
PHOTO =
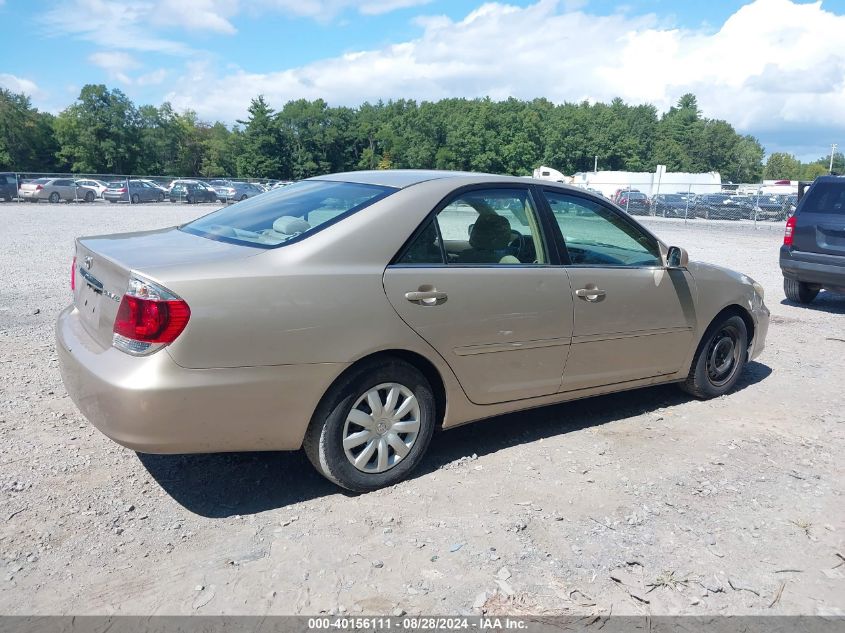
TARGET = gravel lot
(642,502)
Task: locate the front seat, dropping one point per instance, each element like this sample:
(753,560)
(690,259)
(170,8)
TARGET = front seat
(488,242)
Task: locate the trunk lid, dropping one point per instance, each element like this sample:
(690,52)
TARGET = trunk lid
(104,264)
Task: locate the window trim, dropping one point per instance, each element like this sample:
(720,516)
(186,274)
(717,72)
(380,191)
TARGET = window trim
(618,212)
(549,243)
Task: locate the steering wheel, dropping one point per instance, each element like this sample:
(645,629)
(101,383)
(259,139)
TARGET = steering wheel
(517,244)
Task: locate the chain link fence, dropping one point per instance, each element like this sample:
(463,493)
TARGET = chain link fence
(756,203)
(130,189)
(753,204)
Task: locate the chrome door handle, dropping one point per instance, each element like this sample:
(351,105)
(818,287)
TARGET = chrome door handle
(590,294)
(427,297)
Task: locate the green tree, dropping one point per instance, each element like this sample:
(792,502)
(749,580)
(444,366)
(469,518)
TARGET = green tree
(782,166)
(27,139)
(262,149)
(100,132)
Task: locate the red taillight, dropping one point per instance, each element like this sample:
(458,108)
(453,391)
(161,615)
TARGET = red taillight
(122,190)
(73,274)
(151,321)
(39,187)
(788,231)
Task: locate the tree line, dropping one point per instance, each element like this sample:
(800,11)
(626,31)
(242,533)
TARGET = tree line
(103,131)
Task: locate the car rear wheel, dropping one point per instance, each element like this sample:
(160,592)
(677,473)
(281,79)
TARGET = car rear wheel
(89,196)
(136,198)
(719,359)
(160,197)
(799,291)
(54,197)
(373,427)
(243,197)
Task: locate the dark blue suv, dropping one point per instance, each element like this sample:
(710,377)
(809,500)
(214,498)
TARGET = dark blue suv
(8,186)
(812,257)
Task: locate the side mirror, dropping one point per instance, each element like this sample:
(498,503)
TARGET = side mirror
(677,257)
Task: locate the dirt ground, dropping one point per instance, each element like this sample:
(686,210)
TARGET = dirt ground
(641,502)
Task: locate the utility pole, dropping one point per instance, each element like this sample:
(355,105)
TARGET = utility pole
(832,151)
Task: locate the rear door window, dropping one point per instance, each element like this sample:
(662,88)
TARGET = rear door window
(481,227)
(825,197)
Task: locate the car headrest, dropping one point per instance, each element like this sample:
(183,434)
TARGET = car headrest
(290,225)
(491,232)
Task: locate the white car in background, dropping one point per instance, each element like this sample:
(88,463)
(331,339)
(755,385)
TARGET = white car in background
(97,185)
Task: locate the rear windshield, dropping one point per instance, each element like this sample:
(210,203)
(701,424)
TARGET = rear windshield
(825,197)
(287,214)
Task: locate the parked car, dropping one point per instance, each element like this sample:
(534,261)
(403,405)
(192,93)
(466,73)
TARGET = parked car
(136,192)
(97,185)
(234,191)
(352,314)
(724,206)
(772,207)
(55,190)
(192,191)
(8,187)
(812,257)
(635,203)
(619,192)
(156,185)
(672,205)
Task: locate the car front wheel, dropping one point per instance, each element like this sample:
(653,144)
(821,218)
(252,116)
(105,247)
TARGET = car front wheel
(372,427)
(798,291)
(719,359)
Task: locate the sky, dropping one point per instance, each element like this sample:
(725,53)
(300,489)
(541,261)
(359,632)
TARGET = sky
(772,68)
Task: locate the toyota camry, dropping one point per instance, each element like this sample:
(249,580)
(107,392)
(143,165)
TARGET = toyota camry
(353,314)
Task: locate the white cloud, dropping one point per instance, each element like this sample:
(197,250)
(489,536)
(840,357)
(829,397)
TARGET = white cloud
(112,25)
(153,78)
(377,7)
(128,24)
(115,63)
(20,84)
(770,64)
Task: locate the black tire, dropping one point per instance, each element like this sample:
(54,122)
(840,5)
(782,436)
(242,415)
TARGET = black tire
(717,364)
(112,201)
(89,196)
(135,198)
(323,443)
(189,200)
(55,197)
(160,197)
(243,197)
(798,291)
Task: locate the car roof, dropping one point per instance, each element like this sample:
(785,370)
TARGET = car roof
(401,178)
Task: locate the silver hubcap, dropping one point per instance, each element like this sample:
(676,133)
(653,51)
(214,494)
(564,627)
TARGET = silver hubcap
(381,428)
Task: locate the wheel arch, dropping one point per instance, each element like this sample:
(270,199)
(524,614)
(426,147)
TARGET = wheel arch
(733,309)
(415,359)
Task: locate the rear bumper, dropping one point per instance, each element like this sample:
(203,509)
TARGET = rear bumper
(820,269)
(152,405)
